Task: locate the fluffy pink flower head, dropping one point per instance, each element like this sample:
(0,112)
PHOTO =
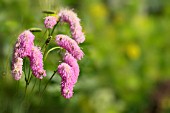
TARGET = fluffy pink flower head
(66,89)
(67,75)
(24,44)
(71,18)
(70,45)
(36,63)
(22,49)
(72,62)
(17,68)
(50,21)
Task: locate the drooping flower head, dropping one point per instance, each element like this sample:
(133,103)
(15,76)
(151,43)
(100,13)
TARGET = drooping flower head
(66,89)
(50,21)
(67,83)
(22,49)
(17,68)
(24,44)
(72,62)
(71,18)
(36,63)
(70,45)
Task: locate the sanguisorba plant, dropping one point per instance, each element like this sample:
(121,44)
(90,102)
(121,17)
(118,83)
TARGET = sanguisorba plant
(68,69)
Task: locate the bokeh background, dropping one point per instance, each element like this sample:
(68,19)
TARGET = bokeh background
(126,67)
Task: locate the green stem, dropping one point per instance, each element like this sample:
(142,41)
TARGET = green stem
(29,80)
(49,80)
(25,69)
(42,38)
(26,86)
(47,84)
(29,75)
(53,29)
(26,79)
(34,85)
(49,35)
(46,54)
(47,41)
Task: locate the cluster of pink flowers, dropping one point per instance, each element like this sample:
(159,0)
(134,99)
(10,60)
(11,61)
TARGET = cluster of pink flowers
(70,45)
(50,21)
(69,72)
(24,44)
(36,63)
(24,47)
(69,69)
(17,67)
(72,62)
(71,18)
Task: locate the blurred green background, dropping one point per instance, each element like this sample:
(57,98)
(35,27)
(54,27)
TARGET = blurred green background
(126,67)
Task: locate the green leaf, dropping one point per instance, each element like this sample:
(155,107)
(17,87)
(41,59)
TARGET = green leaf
(49,12)
(35,29)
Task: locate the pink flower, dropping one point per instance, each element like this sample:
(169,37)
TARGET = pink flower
(70,45)
(36,63)
(50,21)
(67,83)
(71,18)
(22,49)
(24,44)
(17,68)
(66,90)
(72,62)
